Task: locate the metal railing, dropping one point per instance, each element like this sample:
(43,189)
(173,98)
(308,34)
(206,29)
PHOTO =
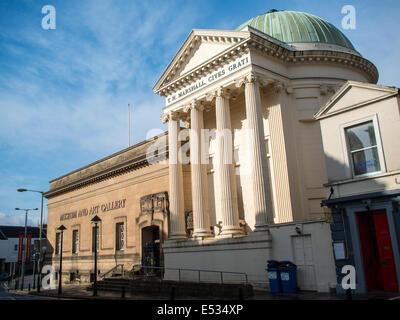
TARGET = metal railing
(199,271)
(113,269)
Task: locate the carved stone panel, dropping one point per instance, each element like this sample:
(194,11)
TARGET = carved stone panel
(154,203)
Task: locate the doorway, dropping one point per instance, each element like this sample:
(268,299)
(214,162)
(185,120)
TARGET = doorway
(377,251)
(303,258)
(151,246)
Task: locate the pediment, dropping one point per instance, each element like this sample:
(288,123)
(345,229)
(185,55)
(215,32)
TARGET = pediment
(353,95)
(199,47)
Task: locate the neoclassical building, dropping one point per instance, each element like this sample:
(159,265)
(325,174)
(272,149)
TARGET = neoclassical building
(246,168)
(262,83)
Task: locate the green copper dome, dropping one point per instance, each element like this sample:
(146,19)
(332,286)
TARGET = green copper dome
(297,27)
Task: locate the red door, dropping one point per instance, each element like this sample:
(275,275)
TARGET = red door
(370,252)
(387,263)
(377,252)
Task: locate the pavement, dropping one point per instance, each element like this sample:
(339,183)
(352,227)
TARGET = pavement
(79,292)
(5,294)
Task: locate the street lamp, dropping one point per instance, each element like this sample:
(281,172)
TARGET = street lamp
(96,220)
(61,228)
(40,236)
(24,246)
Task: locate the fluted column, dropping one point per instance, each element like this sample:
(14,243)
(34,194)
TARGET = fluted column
(257,153)
(201,214)
(177,215)
(224,166)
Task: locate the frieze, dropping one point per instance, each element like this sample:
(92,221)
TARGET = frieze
(105,207)
(221,73)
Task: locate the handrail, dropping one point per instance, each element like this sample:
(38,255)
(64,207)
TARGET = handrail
(112,269)
(197,270)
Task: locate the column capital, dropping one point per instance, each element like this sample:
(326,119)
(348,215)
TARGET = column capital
(252,77)
(196,104)
(277,86)
(219,92)
(170,115)
(164,117)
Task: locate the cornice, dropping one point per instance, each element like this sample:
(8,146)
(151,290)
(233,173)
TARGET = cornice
(257,43)
(293,56)
(134,164)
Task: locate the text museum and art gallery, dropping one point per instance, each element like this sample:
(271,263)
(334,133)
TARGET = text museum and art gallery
(245,171)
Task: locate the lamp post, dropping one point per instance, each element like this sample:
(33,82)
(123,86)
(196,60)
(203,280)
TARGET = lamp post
(61,228)
(34,270)
(24,246)
(39,261)
(96,220)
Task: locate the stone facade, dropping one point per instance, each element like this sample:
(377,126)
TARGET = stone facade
(124,189)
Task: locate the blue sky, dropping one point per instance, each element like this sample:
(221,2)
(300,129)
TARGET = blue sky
(64,92)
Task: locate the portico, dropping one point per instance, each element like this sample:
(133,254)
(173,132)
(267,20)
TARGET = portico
(219,101)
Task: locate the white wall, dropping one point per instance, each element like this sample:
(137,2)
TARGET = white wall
(7,251)
(320,252)
(249,254)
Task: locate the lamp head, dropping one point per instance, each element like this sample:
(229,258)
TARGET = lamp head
(61,228)
(21,190)
(95,219)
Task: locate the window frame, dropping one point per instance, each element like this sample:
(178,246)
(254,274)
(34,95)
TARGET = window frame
(118,241)
(75,242)
(97,236)
(348,161)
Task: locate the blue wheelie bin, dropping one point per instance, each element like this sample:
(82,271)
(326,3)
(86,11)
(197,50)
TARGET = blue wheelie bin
(288,276)
(273,276)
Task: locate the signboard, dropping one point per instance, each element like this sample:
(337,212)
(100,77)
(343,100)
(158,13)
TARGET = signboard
(20,247)
(28,247)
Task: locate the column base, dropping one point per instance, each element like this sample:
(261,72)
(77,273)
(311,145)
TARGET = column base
(231,232)
(202,233)
(261,228)
(178,237)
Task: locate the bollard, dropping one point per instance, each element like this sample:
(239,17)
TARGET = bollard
(123,292)
(16,285)
(348,294)
(29,287)
(241,293)
(172,294)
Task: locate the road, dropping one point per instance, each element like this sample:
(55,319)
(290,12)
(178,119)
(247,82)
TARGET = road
(5,295)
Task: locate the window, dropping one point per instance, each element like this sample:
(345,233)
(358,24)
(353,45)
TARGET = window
(75,241)
(363,148)
(58,243)
(120,236)
(95,236)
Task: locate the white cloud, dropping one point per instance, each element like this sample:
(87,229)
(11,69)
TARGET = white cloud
(17,219)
